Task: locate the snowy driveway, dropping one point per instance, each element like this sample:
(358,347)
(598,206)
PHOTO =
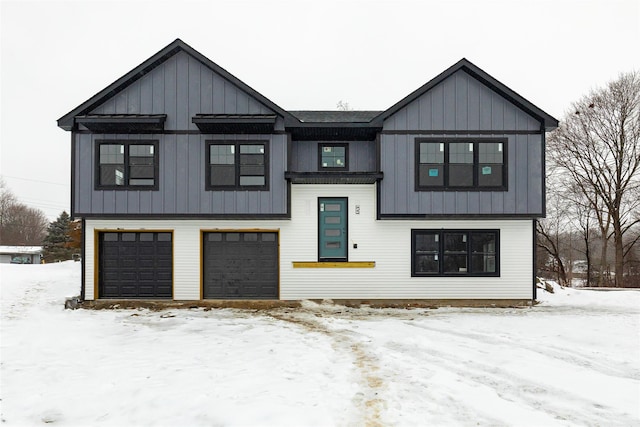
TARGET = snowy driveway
(573,360)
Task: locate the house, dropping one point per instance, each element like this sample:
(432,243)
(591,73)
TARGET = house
(192,185)
(20,254)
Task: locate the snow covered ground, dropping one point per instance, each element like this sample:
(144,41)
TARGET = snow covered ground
(574,359)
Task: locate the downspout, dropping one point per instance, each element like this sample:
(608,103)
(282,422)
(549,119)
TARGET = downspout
(82,261)
(534,293)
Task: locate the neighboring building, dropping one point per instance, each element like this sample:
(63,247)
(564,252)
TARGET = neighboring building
(20,254)
(192,185)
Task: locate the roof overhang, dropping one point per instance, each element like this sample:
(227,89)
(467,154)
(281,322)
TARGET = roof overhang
(333,177)
(235,123)
(122,123)
(334,131)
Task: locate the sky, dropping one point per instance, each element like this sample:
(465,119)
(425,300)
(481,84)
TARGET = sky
(300,54)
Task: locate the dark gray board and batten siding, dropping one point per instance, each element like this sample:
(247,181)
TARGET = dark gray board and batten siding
(180,87)
(461,107)
(362,156)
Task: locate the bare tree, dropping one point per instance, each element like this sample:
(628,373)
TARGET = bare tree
(19,224)
(343,106)
(597,147)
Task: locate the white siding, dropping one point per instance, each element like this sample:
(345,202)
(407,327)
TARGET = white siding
(386,242)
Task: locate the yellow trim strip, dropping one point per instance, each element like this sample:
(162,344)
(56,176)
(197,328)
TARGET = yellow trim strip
(352,264)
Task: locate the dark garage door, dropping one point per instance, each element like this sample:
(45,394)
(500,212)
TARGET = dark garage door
(135,265)
(240,265)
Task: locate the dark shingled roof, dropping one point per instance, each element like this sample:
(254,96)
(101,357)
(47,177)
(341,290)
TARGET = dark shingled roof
(335,116)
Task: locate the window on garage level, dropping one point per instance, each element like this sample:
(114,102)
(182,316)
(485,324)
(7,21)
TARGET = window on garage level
(455,253)
(237,165)
(460,164)
(124,165)
(333,156)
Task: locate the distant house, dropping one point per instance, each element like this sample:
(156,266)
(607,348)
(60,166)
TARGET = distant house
(192,185)
(20,254)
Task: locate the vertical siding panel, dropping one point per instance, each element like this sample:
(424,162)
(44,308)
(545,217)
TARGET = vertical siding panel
(133,98)
(195,92)
(254,107)
(229,98)
(218,94)
(170,174)
(401,119)
(157,90)
(146,95)
(388,165)
(242,101)
(485,108)
(413,116)
(402,174)
(510,116)
(228,202)
(534,157)
(170,93)
(425,111)
(510,196)
(462,100)
(217,202)
(206,90)
(182,92)
(485,202)
(437,107)
(473,107)
(473,202)
(461,206)
(449,203)
(120,201)
(437,202)
(121,102)
(521,173)
(195,186)
(133,201)
(497,202)
(449,104)
(497,112)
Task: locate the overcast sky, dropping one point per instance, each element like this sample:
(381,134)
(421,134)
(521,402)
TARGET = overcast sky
(300,54)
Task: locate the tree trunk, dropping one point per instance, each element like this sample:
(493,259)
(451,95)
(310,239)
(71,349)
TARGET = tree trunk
(617,241)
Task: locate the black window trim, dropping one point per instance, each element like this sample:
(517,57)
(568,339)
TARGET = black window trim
(127,143)
(329,168)
(237,185)
(476,151)
(440,232)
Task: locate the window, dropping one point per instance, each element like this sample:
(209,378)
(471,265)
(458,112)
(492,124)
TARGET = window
(126,165)
(460,164)
(455,253)
(234,165)
(333,156)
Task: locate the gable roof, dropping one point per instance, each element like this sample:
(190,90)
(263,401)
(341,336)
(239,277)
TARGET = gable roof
(466,65)
(339,116)
(66,122)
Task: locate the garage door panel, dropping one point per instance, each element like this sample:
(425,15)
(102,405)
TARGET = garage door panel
(240,265)
(130,266)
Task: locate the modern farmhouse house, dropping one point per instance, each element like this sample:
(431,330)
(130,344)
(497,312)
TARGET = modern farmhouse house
(191,185)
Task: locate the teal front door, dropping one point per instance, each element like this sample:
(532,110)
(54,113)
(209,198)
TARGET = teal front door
(332,229)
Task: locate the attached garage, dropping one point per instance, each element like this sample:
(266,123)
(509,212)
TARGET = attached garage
(135,265)
(240,265)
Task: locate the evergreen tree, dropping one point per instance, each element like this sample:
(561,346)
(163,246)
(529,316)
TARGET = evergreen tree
(56,244)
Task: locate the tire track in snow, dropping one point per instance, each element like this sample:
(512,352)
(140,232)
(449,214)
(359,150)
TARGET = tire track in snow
(368,400)
(30,299)
(511,387)
(572,357)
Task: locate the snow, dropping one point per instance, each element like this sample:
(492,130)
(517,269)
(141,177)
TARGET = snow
(573,359)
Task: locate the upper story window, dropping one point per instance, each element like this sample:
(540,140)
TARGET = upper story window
(237,165)
(455,252)
(124,165)
(333,157)
(460,164)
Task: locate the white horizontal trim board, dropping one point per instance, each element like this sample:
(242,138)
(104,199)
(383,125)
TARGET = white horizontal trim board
(386,242)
